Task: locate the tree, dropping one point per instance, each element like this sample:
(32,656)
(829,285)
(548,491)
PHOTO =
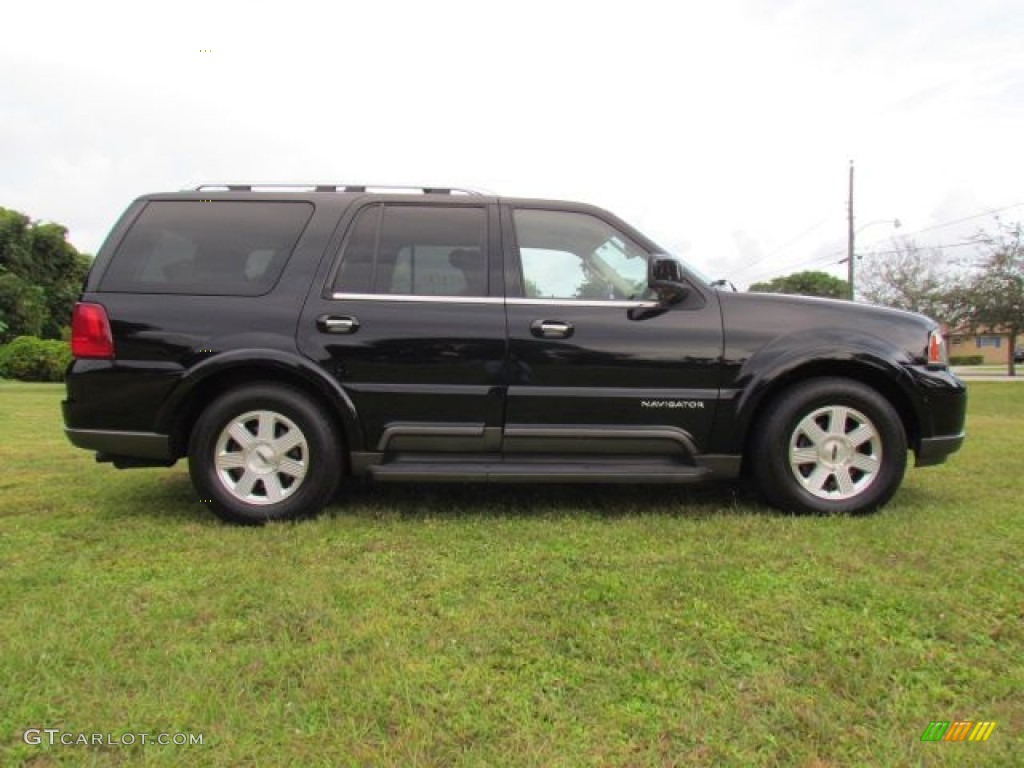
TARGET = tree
(994,295)
(41,274)
(809,283)
(912,278)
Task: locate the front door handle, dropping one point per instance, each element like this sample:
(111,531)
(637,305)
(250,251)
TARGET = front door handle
(551,329)
(335,324)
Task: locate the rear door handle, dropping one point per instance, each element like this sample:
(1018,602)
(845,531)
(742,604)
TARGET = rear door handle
(335,324)
(551,329)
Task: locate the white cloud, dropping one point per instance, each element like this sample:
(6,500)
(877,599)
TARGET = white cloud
(723,130)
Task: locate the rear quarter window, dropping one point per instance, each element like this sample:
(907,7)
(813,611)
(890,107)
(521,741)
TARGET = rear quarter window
(216,248)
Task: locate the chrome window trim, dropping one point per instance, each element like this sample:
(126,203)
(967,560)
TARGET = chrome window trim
(422,299)
(621,303)
(633,304)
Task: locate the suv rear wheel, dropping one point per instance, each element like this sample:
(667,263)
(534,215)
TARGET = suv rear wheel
(829,445)
(264,452)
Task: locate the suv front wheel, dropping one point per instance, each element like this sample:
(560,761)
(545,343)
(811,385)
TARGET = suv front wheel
(829,445)
(264,452)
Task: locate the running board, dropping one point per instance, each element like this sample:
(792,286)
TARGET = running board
(592,471)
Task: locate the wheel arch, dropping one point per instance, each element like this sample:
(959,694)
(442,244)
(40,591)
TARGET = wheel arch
(203,384)
(876,374)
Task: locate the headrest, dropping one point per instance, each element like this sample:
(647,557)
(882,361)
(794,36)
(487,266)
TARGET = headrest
(466,259)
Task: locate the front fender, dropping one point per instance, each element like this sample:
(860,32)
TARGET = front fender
(819,352)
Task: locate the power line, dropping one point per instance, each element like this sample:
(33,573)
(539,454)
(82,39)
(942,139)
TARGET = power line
(965,218)
(942,225)
(826,259)
(782,247)
(823,260)
(940,247)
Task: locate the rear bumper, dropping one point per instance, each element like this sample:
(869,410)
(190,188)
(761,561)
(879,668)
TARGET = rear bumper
(113,443)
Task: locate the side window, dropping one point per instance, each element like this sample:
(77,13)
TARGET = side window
(577,256)
(415,250)
(219,248)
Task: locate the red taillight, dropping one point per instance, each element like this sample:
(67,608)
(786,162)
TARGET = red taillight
(90,332)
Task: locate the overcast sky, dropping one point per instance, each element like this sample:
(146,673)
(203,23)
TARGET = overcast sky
(724,130)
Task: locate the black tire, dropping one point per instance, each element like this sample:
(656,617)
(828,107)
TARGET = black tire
(853,467)
(288,468)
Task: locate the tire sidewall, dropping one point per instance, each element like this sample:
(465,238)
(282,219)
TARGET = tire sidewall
(324,460)
(771,460)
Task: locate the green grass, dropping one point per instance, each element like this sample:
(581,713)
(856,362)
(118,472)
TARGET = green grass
(465,626)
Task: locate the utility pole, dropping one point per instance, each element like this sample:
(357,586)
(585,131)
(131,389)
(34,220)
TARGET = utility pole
(850,257)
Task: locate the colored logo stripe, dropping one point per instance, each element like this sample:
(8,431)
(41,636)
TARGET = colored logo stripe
(958,730)
(982,731)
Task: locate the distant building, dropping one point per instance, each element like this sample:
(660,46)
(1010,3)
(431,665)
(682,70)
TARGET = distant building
(993,346)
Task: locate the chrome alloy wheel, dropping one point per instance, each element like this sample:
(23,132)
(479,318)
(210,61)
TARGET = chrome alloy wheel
(835,453)
(261,457)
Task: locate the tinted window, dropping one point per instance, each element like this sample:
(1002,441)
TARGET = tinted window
(415,250)
(213,248)
(577,256)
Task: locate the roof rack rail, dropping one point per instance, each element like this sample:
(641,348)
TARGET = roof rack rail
(256,187)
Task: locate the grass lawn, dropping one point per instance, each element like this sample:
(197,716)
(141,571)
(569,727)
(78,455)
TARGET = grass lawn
(468,626)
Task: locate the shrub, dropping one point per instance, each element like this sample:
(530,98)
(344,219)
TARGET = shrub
(966,360)
(31,359)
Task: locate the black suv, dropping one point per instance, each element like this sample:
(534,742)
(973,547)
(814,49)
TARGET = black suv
(284,337)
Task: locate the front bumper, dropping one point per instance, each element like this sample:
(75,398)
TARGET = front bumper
(935,450)
(943,400)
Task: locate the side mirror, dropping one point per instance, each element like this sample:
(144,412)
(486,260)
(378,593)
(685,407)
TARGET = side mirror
(665,277)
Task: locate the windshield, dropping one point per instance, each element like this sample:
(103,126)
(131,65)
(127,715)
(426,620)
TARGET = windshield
(704,278)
